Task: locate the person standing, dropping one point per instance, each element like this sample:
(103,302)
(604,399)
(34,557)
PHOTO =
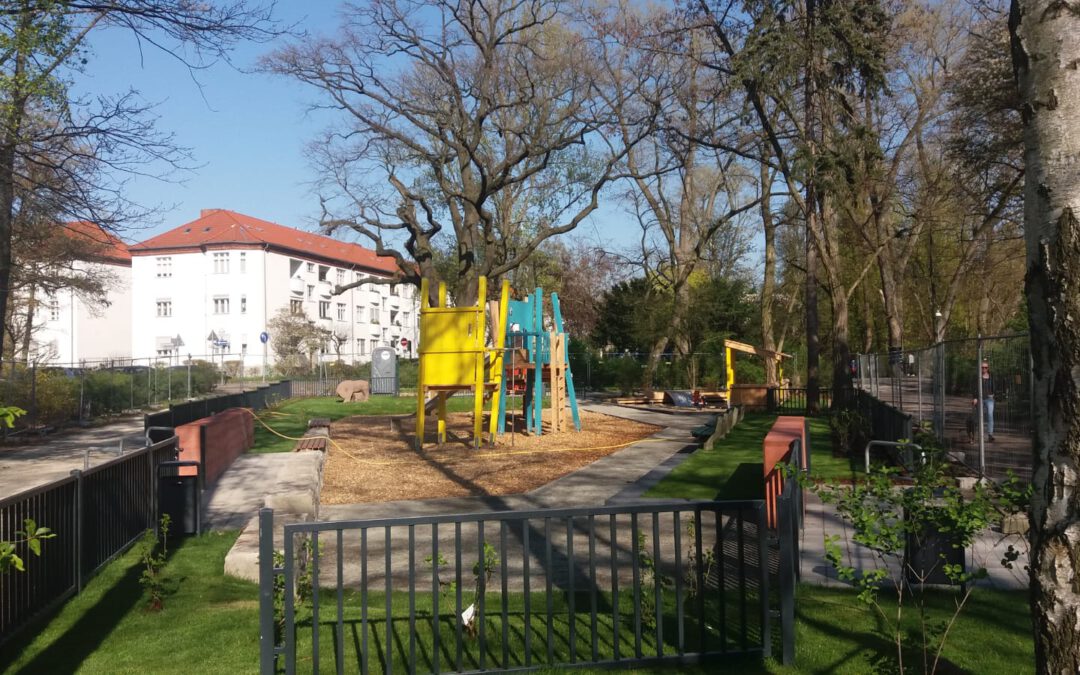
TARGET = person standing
(987,379)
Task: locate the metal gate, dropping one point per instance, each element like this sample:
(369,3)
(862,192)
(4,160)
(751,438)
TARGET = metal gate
(665,582)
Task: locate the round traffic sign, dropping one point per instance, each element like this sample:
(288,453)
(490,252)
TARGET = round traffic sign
(264,337)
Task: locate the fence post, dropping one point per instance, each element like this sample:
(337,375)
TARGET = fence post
(980,406)
(266,592)
(786,574)
(78,520)
(763,570)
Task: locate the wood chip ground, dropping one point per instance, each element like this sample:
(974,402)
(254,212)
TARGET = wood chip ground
(374,459)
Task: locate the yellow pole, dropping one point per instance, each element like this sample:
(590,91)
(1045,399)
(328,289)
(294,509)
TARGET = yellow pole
(730,363)
(421,385)
(441,432)
(478,345)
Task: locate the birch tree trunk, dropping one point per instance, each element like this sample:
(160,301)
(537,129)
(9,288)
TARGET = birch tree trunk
(1046,55)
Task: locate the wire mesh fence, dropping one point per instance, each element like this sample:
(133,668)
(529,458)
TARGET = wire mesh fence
(974,394)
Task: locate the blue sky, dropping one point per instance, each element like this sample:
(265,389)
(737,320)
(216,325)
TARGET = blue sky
(246,130)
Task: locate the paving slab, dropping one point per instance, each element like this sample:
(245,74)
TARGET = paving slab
(49,458)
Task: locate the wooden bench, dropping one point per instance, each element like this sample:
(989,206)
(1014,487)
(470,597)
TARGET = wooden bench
(312,443)
(318,422)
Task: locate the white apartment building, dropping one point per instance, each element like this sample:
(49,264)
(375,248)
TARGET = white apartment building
(209,287)
(73,330)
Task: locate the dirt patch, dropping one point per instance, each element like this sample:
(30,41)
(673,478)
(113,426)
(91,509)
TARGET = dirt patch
(376,461)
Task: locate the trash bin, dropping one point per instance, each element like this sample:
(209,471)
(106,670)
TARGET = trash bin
(926,555)
(179,497)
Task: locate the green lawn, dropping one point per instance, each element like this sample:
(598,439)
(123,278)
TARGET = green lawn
(732,467)
(210,625)
(291,417)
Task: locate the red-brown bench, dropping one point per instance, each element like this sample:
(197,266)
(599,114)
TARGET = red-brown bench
(775,451)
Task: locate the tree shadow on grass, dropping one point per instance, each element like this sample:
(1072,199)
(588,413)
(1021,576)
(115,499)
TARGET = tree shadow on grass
(747,481)
(87,634)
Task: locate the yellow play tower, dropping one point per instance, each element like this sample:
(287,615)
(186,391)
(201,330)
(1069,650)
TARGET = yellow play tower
(454,358)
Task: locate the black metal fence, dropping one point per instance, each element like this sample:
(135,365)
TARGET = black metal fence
(183,413)
(311,388)
(938,387)
(96,514)
(886,422)
(794,399)
(652,583)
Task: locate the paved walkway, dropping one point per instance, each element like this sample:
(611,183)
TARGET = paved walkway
(52,457)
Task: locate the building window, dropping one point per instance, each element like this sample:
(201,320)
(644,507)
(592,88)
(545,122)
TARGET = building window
(374,345)
(243,262)
(165,352)
(384,336)
(164,267)
(374,316)
(323,271)
(341,311)
(324,309)
(341,277)
(394,289)
(221,263)
(359,314)
(296,306)
(311,267)
(221,304)
(164,307)
(310,291)
(361,346)
(243,304)
(54,309)
(405,318)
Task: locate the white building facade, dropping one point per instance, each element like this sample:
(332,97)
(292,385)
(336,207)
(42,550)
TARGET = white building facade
(208,289)
(75,331)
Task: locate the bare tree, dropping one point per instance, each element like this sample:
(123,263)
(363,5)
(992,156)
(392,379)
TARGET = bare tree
(471,123)
(686,194)
(1045,52)
(80,149)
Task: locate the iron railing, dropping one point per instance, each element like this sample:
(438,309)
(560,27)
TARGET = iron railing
(630,585)
(96,515)
(184,413)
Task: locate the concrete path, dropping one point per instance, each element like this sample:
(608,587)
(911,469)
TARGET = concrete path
(52,457)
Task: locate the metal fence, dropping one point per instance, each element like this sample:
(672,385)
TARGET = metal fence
(96,514)
(660,582)
(184,413)
(939,388)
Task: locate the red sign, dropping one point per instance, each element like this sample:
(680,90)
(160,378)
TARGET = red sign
(404,342)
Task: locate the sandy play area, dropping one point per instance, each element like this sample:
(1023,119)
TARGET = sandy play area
(375,460)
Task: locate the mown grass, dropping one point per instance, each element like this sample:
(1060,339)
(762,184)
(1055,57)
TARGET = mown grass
(290,418)
(732,468)
(210,625)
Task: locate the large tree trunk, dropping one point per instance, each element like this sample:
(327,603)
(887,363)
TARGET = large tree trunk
(768,282)
(1045,55)
(12,128)
(841,346)
(811,214)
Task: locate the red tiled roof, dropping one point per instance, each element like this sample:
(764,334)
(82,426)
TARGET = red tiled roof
(219,228)
(105,245)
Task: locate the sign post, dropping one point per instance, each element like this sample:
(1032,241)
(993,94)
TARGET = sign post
(264,337)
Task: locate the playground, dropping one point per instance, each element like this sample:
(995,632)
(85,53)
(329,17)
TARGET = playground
(372,460)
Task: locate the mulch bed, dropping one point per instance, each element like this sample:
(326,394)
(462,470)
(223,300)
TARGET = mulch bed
(374,459)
